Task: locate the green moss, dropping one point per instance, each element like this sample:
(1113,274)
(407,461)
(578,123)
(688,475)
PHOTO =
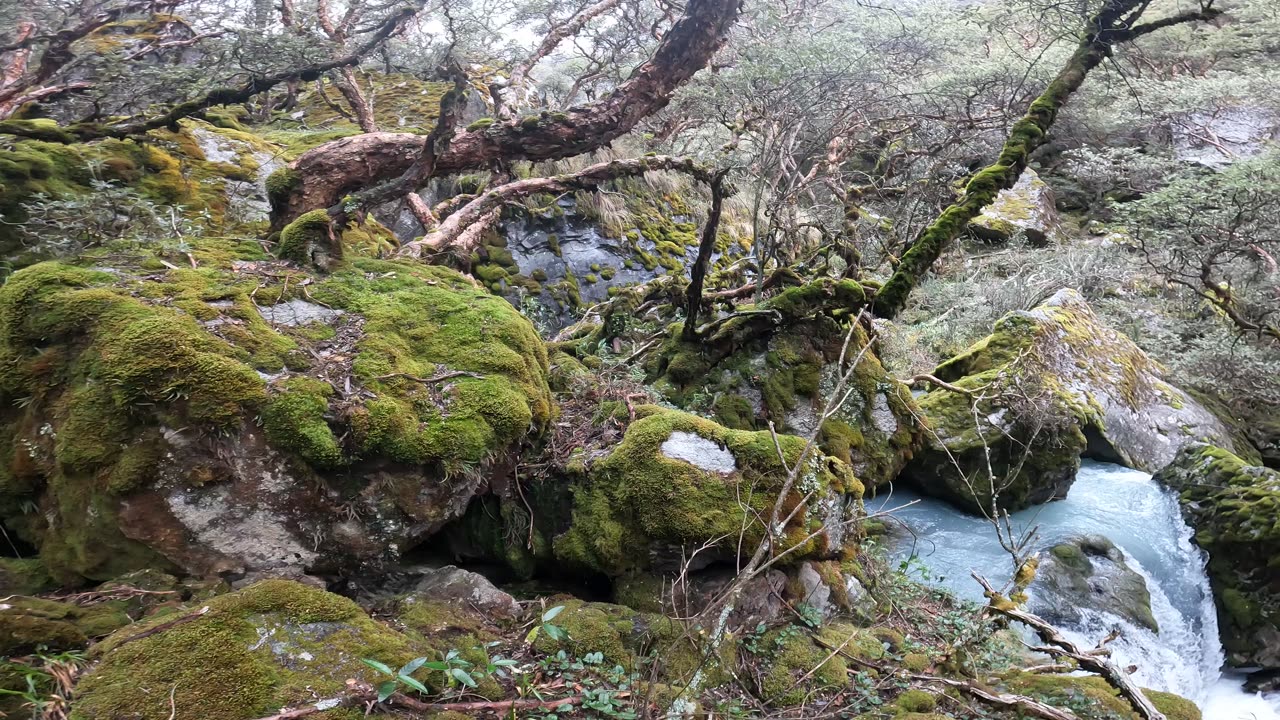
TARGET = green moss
(734,412)
(27,623)
(916,662)
(219,666)
(281,184)
(307,239)
(23,576)
(1091,696)
(294,420)
(917,701)
(795,668)
(418,319)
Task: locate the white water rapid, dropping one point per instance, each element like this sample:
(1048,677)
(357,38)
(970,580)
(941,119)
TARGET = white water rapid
(1141,518)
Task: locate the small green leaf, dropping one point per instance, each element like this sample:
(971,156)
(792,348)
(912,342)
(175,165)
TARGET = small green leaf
(461,676)
(411,682)
(533,635)
(386,690)
(551,614)
(379,666)
(436,666)
(412,666)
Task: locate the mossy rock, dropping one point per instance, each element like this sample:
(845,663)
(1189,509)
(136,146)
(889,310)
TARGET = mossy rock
(1232,505)
(28,623)
(677,480)
(132,397)
(273,644)
(19,576)
(1054,384)
(777,364)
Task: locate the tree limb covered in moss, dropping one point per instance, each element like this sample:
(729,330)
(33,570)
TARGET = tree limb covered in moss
(451,228)
(1093,661)
(80,132)
(338,168)
(1113,24)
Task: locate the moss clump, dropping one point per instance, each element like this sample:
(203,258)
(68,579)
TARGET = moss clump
(734,412)
(294,420)
(419,321)
(1091,696)
(637,496)
(795,668)
(23,576)
(308,240)
(27,623)
(220,666)
(281,184)
(916,701)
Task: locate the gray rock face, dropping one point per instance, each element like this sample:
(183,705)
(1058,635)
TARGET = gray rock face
(298,312)
(249,199)
(1236,133)
(1027,208)
(1089,573)
(700,452)
(468,589)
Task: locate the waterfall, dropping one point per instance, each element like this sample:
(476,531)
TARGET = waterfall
(1144,521)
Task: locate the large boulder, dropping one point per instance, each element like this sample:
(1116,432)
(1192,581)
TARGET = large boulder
(776,363)
(246,418)
(1048,386)
(1089,573)
(1027,208)
(1233,507)
(678,482)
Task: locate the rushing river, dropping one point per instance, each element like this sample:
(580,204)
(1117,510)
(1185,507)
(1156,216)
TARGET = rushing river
(1143,520)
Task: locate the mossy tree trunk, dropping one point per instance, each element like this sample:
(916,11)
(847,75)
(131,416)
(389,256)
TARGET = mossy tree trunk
(1115,23)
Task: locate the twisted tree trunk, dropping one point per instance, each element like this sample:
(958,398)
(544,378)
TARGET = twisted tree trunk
(324,175)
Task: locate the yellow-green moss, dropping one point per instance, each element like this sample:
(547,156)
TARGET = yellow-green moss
(294,420)
(794,669)
(1091,696)
(273,644)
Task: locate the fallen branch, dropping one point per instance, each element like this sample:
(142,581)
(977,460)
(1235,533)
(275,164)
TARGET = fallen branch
(925,377)
(431,380)
(166,625)
(1058,644)
(1028,705)
(359,693)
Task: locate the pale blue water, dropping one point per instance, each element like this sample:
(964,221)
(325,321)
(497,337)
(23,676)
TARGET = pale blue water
(1142,519)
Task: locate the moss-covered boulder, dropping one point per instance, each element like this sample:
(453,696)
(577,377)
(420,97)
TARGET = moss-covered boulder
(1026,209)
(1048,386)
(239,416)
(678,481)
(1234,508)
(1089,573)
(777,363)
(244,655)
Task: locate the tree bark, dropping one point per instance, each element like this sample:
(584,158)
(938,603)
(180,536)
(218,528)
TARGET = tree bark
(1113,24)
(706,244)
(331,171)
(448,232)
